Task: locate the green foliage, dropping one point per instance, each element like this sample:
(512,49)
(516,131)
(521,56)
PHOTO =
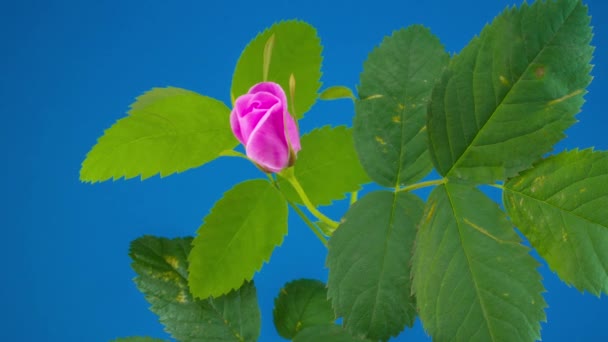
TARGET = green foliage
(161,266)
(473,280)
(487,115)
(138,339)
(326,333)
(389,125)
(509,95)
(327,166)
(561,207)
(369,264)
(238,235)
(292,48)
(337,92)
(302,303)
(167,130)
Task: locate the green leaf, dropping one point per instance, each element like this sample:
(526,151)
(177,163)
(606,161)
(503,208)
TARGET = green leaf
(238,235)
(292,47)
(473,280)
(138,339)
(326,333)
(327,166)
(369,264)
(337,92)
(389,125)
(511,93)
(167,130)
(161,266)
(301,303)
(560,206)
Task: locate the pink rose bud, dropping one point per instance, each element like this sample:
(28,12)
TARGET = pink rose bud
(261,122)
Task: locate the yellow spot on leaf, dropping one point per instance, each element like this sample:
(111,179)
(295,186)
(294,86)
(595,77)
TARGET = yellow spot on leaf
(396,119)
(401,106)
(430,213)
(504,81)
(169,277)
(582,190)
(486,233)
(565,97)
(539,72)
(172,261)
(380,140)
(181,297)
(371,97)
(565,236)
(298,326)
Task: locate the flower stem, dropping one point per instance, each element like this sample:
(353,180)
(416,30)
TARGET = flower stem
(309,224)
(423,185)
(291,178)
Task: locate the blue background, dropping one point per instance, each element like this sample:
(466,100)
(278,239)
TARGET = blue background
(70,69)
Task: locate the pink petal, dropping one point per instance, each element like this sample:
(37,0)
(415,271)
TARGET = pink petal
(267,144)
(272,88)
(292,132)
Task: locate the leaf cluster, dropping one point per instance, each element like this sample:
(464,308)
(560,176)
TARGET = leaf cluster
(489,115)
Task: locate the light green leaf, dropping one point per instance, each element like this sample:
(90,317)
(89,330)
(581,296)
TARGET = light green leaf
(238,235)
(369,264)
(337,92)
(161,266)
(511,93)
(389,125)
(561,207)
(292,48)
(301,303)
(473,280)
(326,333)
(167,130)
(138,339)
(327,166)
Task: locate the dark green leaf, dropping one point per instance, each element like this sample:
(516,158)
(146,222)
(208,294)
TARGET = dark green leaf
(295,50)
(389,125)
(168,130)
(238,235)
(302,303)
(561,206)
(161,266)
(327,166)
(337,92)
(326,333)
(473,280)
(369,264)
(511,93)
